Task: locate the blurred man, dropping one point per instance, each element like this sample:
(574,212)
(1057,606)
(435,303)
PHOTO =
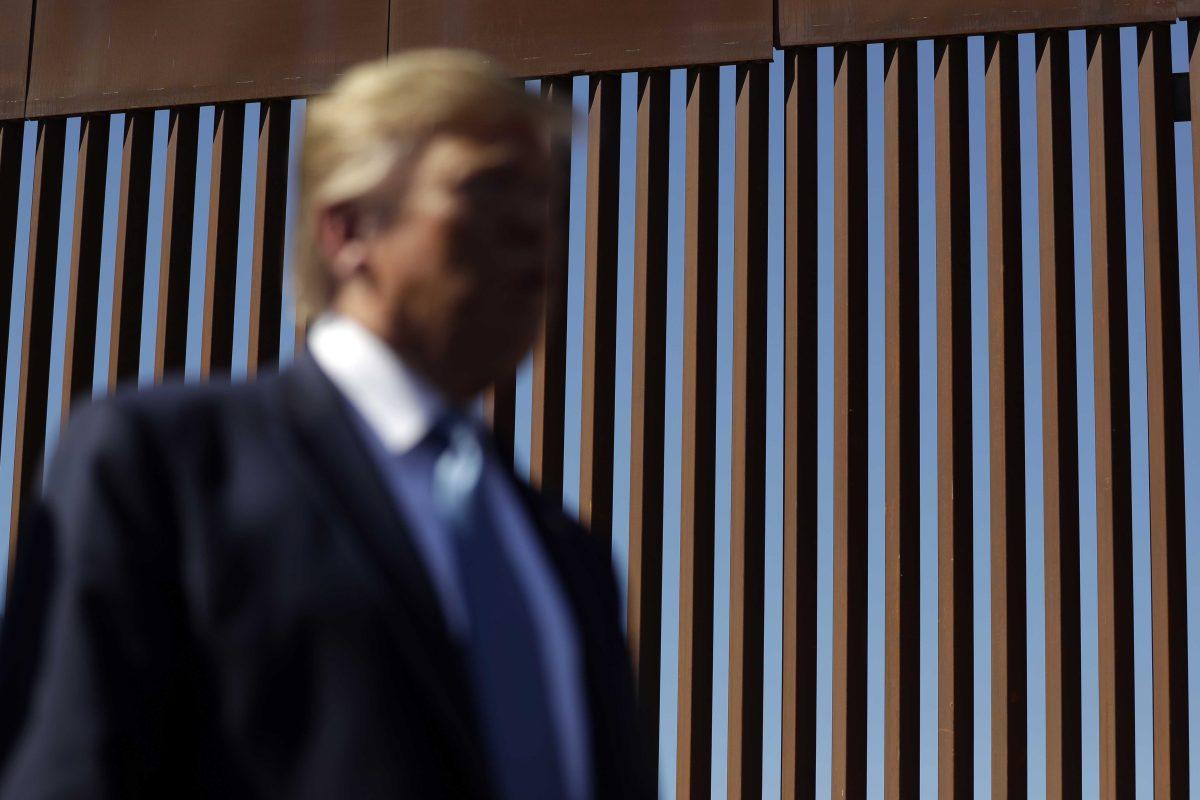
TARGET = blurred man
(326,583)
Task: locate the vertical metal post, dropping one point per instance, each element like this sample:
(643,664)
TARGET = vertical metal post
(270,220)
(799,691)
(902,252)
(647,414)
(550,354)
(698,450)
(79,352)
(600,304)
(850,389)
(956,613)
(12,136)
(1060,409)
(501,411)
(1193,27)
(229,122)
(179,193)
(799,696)
(748,469)
(129,276)
(1164,412)
(1007,387)
(1110,325)
(32,400)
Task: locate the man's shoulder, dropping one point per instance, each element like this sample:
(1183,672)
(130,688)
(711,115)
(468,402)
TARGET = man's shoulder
(178,405)
(175,416)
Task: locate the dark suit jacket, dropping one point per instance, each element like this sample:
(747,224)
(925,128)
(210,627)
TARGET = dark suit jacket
(217,598)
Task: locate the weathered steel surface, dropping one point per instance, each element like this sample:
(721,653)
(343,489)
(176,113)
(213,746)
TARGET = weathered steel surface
(15,16)
(850,465)
(83,293)
(1114,506)
(1006,382)
(547,37)
(500,409)
(1164,413)
(37,331)
(698,448)
(129,271)
(902,522)
(175,265)
(747,533)
(12,136)
(122,54)
(270,216)
(800,464)
(600,305)
(550,354)
(955,500)
(835,21)
(220,274)
(1060,437)
(648,398)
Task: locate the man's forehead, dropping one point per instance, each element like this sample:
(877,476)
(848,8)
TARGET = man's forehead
(456,152)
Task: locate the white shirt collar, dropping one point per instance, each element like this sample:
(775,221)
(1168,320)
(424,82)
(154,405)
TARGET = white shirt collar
(398,405)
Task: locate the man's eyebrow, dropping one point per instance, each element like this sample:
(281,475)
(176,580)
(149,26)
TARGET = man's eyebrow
(500,169)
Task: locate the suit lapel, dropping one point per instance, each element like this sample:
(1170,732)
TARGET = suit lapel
(346,467)
(337,455)
(608,677)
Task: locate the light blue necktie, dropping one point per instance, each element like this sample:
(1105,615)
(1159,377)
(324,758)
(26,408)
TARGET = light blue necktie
(502,648)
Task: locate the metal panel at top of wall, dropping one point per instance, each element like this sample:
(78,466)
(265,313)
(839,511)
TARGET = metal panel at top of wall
(809,22)
(14,56)
(121,54)
(533,38)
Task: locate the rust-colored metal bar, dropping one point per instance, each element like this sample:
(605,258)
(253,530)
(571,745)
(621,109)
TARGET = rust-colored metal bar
(1193,27)
(600,304)
(83,294)
(1007,401)
(902,255)
(647,413)
(1110,325)
(533,38)
(747,532)
(124,54)
(129,272)
(1060,409)
(1164,413)
(698,447)
(14,58)
(270,217)
(12,136)
(550,354)
(817,22)
(501,411)
(179,193)
(850,389)
(221,265)
(799,695)
(956,629)
(33,391)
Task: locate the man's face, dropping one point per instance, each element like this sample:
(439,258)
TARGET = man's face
(459,274)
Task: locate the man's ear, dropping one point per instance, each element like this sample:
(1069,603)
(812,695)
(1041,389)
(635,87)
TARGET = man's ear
(340,240)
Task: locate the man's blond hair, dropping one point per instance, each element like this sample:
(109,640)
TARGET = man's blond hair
(377,116)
